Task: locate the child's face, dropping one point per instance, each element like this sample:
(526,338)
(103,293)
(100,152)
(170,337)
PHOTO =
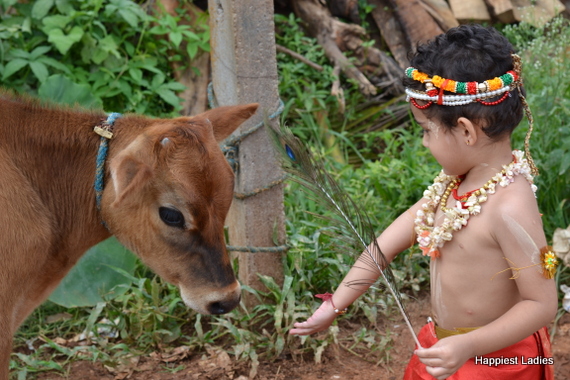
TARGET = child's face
(444,144)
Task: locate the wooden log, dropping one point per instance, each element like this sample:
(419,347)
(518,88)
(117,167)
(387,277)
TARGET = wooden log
(347,9)
(503,10)
(441,12)
(391,31)
(244,70)
(467,11)
(319,22)
(420,27)
(537,12)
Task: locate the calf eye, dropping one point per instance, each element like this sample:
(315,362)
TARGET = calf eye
(171,217)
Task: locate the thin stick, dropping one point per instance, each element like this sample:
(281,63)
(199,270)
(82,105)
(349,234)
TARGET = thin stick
(298,56)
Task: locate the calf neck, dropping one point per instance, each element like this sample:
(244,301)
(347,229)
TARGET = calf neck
(167,191)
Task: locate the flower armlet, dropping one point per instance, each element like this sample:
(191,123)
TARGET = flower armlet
(548,261)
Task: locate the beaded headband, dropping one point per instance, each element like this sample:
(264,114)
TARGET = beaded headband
(469,92)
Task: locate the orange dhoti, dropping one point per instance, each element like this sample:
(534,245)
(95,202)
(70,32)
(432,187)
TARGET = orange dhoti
(531,359)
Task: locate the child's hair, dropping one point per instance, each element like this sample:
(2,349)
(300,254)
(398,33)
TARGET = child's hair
(470,53)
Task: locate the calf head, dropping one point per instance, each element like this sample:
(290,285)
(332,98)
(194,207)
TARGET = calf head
(170,191)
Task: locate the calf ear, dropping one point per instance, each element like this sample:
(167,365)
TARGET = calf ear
(227,119)
(128,175)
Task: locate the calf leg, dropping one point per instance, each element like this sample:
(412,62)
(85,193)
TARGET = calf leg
(5,343)
(24,245)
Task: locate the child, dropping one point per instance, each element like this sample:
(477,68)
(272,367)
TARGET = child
(492,292)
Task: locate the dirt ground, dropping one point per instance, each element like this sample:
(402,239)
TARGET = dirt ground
(337,364)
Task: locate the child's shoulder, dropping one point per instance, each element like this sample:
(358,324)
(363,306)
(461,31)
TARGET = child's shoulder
(515,204)
(516,197)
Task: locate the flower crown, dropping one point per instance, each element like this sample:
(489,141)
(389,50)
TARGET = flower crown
(467,92)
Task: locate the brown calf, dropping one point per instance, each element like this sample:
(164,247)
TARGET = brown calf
(167,190)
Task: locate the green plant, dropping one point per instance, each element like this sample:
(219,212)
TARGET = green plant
(547,82)
(340,126)
(122,54)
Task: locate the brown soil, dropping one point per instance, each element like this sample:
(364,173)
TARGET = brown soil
(337,362)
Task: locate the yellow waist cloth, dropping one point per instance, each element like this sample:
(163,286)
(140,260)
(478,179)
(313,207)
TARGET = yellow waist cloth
(444,333)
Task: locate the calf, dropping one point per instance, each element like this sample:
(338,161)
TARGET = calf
(167,191)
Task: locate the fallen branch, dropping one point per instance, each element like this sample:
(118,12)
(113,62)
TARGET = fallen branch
(299,57)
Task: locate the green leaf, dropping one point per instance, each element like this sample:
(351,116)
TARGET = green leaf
(109,45)
(19,53)
(191,35)
(192,50)
(168,96)
(27,25)
(175,38)
(125,88)
(564,164)
(13,66)
(40,70)
(136,74)
(175,86)
(54,63)
(131,18)
(39,51)
(64,6)
(94,276)
(41,8)
(99,55)
(61,89)
(55,22)
(62,41)
(157,80)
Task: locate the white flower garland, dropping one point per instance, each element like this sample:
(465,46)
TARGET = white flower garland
(432,238)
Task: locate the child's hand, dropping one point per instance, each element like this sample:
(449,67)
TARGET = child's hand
(319,321)
(445,357)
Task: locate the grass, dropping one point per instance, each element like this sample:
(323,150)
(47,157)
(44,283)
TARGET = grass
(392,169)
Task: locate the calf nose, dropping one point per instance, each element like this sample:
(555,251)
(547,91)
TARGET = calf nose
(225,306)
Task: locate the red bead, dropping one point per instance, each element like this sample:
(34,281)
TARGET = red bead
(413,101)
(500,100)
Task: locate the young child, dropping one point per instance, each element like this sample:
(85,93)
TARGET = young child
(492,292)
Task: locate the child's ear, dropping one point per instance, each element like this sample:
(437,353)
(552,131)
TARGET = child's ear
(468,130)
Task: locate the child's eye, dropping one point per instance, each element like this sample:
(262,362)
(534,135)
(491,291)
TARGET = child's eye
(425,131)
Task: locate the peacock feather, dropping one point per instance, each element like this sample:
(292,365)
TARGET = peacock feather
(351,225)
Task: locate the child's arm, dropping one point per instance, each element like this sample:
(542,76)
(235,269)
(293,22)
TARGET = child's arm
(396,238)
(518,232)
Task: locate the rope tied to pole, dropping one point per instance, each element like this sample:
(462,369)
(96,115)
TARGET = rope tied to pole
(230,148)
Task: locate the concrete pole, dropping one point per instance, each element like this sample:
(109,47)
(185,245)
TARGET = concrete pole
(244,70)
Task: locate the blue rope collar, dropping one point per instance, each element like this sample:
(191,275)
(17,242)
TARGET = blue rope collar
(105,130)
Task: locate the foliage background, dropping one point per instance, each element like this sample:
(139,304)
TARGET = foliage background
(118,56)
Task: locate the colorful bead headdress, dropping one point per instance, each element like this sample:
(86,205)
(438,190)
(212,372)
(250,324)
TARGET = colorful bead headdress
(469,92)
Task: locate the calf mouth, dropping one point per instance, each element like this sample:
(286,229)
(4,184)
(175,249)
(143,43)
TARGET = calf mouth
(220,301)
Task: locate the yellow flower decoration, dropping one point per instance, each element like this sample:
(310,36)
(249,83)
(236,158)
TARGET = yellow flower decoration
(494,84)
(549,262)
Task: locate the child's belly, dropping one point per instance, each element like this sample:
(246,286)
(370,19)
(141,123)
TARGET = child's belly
(470,289)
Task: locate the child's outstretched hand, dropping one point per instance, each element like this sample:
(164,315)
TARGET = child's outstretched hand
(319,321)
(445,357)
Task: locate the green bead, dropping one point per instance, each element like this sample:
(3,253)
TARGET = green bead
(461,87)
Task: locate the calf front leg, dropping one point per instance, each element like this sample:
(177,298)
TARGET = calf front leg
(6,332)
